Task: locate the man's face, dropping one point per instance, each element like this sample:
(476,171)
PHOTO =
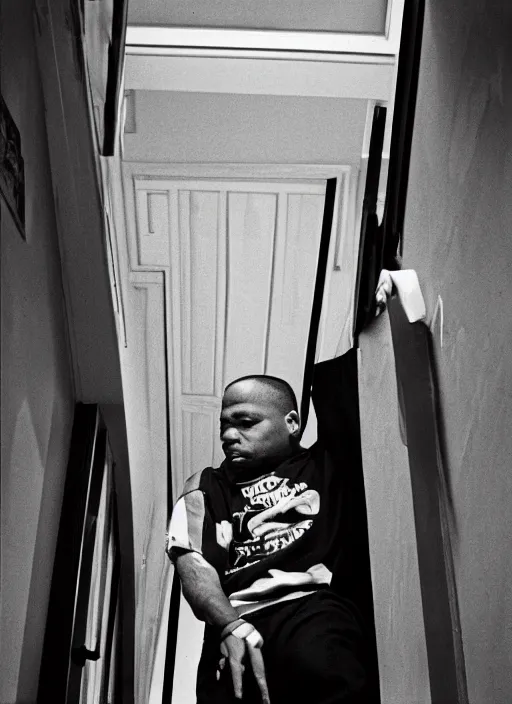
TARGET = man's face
(254,430)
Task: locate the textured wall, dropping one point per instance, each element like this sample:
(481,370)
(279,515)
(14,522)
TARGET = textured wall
(458,237)
(37,397)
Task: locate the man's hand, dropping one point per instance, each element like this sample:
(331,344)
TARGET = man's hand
(237,651)
(203,591)
(383,292)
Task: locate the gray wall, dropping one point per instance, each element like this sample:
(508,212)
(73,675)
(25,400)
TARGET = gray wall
(206,127)
(346,16)
(458,236)
(37,396)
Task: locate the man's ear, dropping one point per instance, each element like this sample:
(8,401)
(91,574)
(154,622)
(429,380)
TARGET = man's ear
(293,423)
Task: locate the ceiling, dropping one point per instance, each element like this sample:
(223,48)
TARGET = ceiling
(349,16)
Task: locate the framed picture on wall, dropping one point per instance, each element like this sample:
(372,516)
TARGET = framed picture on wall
(12,172)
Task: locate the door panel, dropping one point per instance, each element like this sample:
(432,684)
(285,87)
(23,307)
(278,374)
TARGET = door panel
(293,284)
(251,235)
(198,235)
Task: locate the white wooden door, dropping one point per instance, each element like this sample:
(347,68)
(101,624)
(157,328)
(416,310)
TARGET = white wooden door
(240,257)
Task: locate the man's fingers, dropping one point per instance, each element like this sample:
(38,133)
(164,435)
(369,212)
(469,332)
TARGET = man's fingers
(236,675)
(385,282)
(258,667)
(234,649)
(222,663)
(383,291)
(382,294)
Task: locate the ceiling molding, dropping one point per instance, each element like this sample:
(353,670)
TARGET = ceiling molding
(266,40)
(313,56)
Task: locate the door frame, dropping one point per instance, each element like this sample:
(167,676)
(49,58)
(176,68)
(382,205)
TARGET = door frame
(84,474)
(64,651)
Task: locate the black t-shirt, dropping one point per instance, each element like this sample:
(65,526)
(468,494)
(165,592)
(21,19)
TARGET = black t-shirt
(284,534)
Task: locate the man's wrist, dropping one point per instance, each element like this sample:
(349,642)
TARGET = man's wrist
(242,630)
(231,626)
(224,617)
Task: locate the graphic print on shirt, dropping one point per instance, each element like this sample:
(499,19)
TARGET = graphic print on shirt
(273,517)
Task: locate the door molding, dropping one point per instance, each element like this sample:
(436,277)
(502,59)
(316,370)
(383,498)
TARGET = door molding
(151,171)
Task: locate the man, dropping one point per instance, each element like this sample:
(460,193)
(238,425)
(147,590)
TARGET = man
(256,543)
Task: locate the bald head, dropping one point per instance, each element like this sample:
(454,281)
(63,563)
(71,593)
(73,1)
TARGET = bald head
(263,389)
(259,423)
